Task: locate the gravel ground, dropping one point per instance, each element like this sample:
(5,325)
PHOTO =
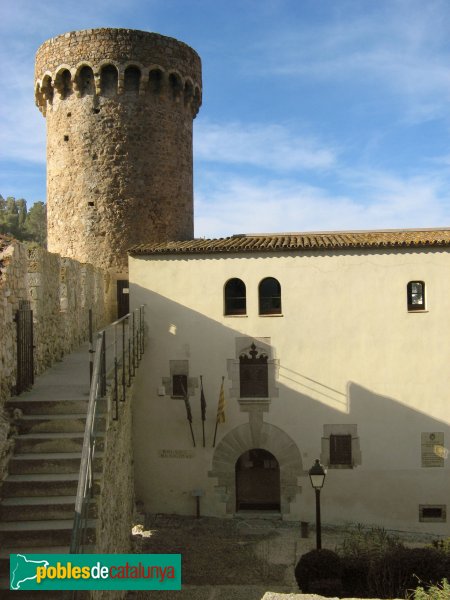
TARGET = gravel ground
(248,558)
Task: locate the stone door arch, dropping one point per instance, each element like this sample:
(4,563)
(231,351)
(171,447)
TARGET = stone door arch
(266,437)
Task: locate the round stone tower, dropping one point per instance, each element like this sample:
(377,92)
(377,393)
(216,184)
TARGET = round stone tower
(119,106)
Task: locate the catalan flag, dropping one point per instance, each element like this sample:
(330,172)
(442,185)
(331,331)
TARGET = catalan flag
(221,406)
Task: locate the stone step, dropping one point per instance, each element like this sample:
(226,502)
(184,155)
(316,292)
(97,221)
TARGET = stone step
(57,484)
(53,442)
(32,406)
(55,423)
(38,508)
(19,534)
(62,462)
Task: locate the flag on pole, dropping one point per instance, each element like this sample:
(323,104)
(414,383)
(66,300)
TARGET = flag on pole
(202,400)
(188,413)
(187,404)
(188,408)
(221,406)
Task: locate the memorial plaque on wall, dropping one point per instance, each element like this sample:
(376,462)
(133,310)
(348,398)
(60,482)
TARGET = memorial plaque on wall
(433,451)
(176,453)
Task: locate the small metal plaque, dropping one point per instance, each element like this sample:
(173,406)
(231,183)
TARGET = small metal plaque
(433,450)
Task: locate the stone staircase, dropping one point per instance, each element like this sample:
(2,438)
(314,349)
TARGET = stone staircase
(38,495)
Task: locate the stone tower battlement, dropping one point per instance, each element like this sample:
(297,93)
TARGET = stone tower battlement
(119,106)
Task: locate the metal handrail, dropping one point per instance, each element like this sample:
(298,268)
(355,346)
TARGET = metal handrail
(124,361)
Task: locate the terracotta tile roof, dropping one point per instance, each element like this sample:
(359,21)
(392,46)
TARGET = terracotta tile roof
(285,242)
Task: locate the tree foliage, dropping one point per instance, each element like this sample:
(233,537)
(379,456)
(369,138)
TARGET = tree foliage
(22,224)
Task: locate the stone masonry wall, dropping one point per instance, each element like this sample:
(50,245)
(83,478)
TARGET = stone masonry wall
(61,291)
(13,288)
(119,106)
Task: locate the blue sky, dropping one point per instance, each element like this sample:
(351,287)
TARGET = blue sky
(317,114)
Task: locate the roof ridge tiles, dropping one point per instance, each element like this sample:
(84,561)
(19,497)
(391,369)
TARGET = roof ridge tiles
(302,241)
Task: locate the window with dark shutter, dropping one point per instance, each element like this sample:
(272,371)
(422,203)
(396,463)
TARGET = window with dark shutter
(179,386)
(253,374)
(340,449)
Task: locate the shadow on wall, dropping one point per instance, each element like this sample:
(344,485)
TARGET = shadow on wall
(386,485)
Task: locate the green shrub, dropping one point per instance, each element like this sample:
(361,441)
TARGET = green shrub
(440,591)
(443,545)
(319,571)
(361,550)
(375,564)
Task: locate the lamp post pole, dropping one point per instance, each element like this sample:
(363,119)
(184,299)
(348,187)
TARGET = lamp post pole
(318,523)
(317,475)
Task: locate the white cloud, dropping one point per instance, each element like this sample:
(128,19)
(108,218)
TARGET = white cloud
(377,200)
(269,146)
(402,47)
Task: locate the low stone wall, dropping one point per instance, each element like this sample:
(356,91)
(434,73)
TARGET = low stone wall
(116,501)
(61,291)
(13,288)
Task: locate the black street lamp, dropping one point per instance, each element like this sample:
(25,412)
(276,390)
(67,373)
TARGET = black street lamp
(317,475)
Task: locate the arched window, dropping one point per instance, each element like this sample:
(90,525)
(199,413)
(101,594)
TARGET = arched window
(155,81)
(176,85)
(109,80)
(63,84)
(235,297)
(416,295)
(47,88)
(269,297)
(85,81)
(188,92)
(132,78)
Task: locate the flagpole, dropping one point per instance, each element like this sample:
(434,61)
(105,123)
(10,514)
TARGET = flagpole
(215,433)
(203,407)
(192,433)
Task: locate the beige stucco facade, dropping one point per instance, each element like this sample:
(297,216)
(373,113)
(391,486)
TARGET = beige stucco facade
(344,357)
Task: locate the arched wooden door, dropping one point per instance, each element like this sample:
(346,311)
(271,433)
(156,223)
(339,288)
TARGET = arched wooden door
(257,481)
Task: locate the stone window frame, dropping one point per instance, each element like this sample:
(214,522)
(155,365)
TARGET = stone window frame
(179,367)
(340,429)
(428,519)
(248,364)
(242,346)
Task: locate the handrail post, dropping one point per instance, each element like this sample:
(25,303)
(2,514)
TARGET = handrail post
(129,351)
(116,382)
(141,310)
(124,389)
(101,370)
(91,346)
(134,344)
